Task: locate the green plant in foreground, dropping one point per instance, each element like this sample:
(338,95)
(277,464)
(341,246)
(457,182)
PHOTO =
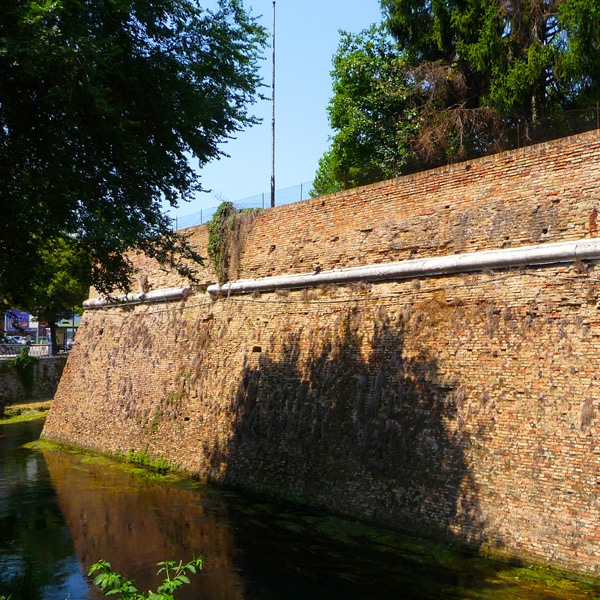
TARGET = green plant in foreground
(111,583)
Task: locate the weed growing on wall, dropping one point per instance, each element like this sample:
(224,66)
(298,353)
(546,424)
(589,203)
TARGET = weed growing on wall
(226,236)
(217,235)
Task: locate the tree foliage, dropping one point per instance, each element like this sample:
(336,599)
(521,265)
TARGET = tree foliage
(59,283)
(370,112)
(61,280)
(102,104)
(524,58)
(465,70)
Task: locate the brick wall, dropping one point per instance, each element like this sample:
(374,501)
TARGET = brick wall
(465,406)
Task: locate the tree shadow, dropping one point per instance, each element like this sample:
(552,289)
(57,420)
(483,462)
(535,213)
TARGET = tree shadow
(350,420)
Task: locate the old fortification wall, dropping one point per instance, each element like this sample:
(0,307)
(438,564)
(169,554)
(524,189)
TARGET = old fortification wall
(462,406)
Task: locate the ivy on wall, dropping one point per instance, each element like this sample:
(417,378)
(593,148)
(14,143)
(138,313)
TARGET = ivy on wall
(227,232)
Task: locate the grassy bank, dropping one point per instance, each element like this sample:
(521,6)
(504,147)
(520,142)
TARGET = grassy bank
(26,411)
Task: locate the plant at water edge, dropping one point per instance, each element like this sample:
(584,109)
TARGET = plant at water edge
(111,583)
(142,458)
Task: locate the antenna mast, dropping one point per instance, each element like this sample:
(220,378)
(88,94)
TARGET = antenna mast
(273,120)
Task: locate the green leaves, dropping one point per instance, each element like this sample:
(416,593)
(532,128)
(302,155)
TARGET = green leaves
(370,112)
(102,104)
(526,59)
(25,366)
(460,74)
(57,283)
(111,583)
(219,228)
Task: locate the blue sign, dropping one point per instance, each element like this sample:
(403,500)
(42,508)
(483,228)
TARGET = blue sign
(17,321)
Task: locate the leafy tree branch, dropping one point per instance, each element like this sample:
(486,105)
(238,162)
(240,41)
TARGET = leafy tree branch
(102,104)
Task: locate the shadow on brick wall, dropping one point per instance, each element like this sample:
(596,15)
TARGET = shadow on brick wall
(349,421)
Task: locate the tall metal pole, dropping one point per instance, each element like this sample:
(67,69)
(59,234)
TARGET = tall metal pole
(273,120)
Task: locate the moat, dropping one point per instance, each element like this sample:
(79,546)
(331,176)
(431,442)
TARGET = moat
(61,511)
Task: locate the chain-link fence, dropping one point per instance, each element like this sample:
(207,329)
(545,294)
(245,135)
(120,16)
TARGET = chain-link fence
(524,134)
(287,195)
(564,124)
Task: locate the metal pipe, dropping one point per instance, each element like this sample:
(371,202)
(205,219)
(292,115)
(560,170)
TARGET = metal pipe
(559,252)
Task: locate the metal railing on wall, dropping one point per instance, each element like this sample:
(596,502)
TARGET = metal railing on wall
(551,128)
(12,350)
(526,133)
(288,195)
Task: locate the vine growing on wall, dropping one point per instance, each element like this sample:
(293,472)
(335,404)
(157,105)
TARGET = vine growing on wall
(24,365)
(227,232)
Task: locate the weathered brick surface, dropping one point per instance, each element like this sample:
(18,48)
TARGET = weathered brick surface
(465,407)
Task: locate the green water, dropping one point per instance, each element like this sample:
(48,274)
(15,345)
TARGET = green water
(62,511)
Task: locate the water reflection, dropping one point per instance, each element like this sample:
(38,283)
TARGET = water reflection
(36,549)
(60,512)
(135,522)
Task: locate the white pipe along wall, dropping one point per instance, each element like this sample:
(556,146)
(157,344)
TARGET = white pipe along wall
(540,254)
(164,295)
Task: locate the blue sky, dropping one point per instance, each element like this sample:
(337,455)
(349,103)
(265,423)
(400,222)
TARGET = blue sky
(306,39)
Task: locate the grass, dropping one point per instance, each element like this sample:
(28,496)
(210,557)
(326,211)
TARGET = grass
(135,464)
(26,411)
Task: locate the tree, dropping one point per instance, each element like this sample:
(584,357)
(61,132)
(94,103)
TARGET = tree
(370,112)
(61,282)
(330,176)
(523,58)
(470,70)
(103,104)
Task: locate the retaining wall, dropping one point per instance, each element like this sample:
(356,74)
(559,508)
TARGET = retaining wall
(47,374)
(461,406)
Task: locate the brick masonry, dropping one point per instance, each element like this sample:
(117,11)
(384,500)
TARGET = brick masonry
(47,374)
(463,407)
